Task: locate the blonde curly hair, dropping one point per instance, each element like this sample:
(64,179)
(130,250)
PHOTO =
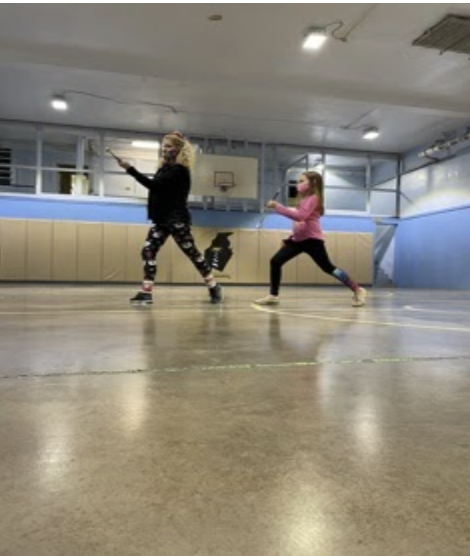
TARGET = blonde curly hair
(186,153)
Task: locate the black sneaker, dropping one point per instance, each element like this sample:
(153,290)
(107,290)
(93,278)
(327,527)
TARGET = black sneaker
(215,294)
(143,298)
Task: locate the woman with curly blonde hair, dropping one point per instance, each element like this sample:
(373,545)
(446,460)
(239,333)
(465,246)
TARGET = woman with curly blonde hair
(167,208)
(185,155)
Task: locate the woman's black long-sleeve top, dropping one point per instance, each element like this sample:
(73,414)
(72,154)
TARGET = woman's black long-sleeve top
(168,193)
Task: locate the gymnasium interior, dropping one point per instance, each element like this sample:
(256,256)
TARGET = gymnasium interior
(185,428)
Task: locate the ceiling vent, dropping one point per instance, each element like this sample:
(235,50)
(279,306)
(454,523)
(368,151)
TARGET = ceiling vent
(452,34)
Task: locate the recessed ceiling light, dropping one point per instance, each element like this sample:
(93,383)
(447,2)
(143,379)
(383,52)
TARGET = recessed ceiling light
(314,39)
(59,103)
(371,134)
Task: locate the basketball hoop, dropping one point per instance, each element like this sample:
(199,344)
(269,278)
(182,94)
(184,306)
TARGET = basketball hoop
(224,181)
(224,187)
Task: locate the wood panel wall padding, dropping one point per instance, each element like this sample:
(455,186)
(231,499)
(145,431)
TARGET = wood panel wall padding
(40,250)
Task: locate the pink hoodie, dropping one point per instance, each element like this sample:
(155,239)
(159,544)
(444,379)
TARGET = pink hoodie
(307,219)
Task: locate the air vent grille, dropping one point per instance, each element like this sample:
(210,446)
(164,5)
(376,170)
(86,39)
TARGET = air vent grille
(452,34)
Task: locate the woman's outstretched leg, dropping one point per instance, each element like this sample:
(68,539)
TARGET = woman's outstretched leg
(181,232)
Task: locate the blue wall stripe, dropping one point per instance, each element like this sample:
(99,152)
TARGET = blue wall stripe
(131,213)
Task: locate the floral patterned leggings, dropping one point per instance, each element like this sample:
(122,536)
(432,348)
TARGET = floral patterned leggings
(181,233)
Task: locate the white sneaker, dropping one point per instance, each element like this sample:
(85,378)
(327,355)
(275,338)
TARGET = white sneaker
(268,300)
(359,298)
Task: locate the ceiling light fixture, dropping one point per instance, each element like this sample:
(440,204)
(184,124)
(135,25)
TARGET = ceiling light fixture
(442,145)
(140,144)
(315,38)
(59,103)
(371,133)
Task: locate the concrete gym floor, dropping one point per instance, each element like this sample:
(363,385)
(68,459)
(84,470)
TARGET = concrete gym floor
(186,429)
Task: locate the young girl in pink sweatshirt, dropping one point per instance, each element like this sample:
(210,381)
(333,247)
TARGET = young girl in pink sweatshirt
(307,237)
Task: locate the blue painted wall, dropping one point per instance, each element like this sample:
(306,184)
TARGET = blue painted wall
(433,250)
(82,211)
(133,213)
(432,245)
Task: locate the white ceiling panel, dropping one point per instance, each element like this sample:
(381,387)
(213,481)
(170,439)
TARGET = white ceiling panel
(148,67)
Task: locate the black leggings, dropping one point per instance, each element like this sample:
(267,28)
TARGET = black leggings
(181,232)
(315,248)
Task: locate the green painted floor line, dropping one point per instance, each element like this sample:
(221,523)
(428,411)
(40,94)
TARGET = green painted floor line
(246,367)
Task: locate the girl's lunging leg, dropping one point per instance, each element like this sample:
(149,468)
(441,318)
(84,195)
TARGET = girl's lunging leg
(316,249)
(345,279)
(287,252)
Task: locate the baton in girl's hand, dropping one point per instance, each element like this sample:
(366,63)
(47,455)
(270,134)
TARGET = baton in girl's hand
(263,217)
